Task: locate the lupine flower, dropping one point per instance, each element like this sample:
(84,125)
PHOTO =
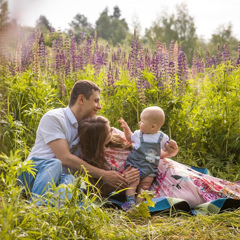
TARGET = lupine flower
(194,65)
(73,54)
(36,63)
(110,80)
(160,81)
(172,75)
(213,62)
(208,61)
(98,61)
(88,51)
(201,64)
(133,57)
(119,53)
(226,53)
(141,89)
(164,49)
(141,59)
(123,60)
(116,76)
(3,57)
(171,51)
(155,64)
(42,50)
(18,62)
(95,47)
(147,59)
(105,55)
(182,71)
(219,55)
(52,31)
(159,46)
(238,60)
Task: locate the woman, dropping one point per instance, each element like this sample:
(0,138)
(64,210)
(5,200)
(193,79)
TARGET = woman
(100,148)
(95,134)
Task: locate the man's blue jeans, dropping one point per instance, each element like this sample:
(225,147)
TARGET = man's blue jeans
(48,175)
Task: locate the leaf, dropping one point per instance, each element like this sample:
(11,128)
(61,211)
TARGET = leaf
(143,210)
(148,195)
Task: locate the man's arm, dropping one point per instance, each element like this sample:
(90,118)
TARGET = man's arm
(61,150)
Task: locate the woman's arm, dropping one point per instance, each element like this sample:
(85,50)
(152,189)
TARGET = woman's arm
(61,150)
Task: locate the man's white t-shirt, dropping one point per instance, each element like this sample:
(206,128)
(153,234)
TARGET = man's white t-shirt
(58,123)
(152,138)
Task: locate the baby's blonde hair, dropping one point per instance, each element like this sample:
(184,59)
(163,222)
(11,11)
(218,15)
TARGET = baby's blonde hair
(155,115)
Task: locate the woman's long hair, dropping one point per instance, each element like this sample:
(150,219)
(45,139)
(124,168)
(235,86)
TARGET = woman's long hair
(119,142)
(93,133)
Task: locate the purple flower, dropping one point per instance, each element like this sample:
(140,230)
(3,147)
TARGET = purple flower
(238,60)
(133,61)
(141,84)
(194,65)
(182,71)
(208,61)
(172,74)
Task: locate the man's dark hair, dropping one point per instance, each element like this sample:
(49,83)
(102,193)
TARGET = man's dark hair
(83,87)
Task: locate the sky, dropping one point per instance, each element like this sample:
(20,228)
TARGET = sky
(208,14)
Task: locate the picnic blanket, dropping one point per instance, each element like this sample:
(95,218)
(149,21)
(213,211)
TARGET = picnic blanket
(174,204)
(167,204)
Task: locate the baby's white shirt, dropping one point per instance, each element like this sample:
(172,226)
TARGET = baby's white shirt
(152,138)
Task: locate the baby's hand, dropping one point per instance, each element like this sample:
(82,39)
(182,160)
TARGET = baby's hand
(123,123)
(171,146)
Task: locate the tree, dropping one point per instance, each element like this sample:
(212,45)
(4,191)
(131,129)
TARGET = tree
(180,28)
(4,14)
(224,35)
(116,13)
(186,30)
(112,28)
(163,28)
(103,25)
(80,24)
(43,24)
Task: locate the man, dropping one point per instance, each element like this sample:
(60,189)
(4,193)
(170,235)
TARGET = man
(55,151)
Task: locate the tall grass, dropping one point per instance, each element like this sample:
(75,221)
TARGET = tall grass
(202,115)
(20,219)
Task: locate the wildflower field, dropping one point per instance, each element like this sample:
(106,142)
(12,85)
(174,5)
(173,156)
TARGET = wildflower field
(200,98)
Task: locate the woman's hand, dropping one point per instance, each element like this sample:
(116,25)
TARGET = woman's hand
(131,174)
(115,179)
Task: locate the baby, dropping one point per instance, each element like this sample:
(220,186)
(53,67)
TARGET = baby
(149,145)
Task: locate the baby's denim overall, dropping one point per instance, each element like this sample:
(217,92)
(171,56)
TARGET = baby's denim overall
(146,157)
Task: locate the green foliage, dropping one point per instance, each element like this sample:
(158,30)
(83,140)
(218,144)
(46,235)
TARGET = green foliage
(180,28)
(26,100)
(224,35)
(201,115)
(209,119)
(112,28)
(80,24)
(43,24)
(4,14)
(20,219)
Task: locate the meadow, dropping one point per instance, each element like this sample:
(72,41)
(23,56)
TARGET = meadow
(202,105)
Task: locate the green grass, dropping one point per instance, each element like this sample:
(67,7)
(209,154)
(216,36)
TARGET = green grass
(20,219)
(204,119)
